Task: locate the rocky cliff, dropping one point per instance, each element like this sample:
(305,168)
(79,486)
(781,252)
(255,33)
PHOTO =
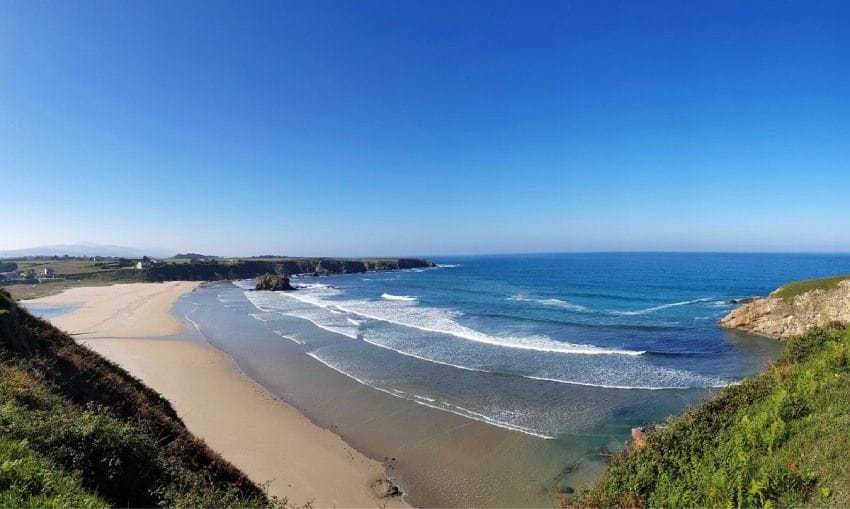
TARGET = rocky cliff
(794,308)
(249,268)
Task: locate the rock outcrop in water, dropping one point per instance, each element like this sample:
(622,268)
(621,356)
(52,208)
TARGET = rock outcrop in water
(793,309)
(274,283)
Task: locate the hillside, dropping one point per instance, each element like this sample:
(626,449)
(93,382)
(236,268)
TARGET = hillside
(778,439)
(77,430)
(794,308)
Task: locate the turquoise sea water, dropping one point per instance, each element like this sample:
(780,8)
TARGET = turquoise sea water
(513,367)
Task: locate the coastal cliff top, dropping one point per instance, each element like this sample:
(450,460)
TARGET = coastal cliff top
(794,308)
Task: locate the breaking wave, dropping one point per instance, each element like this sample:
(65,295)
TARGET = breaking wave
(662,306)
(424,318)
(404,298)
(549,302)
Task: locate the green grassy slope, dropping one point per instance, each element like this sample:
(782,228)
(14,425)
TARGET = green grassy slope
(77,430)
(791,290)
(777,440)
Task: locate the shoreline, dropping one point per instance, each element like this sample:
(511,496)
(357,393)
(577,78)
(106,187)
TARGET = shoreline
(268,439)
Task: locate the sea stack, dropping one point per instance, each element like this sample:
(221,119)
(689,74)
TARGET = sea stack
(273,283)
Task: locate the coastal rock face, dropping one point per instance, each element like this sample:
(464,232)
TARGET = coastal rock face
(782,318)
(273,283)
(214,270)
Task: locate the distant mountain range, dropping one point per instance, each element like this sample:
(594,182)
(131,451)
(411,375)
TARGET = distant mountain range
(84,249)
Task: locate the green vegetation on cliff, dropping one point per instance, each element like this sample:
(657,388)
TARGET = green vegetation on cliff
(779,439)
(791,290)
(77,430)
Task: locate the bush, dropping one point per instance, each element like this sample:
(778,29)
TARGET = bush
(778,439)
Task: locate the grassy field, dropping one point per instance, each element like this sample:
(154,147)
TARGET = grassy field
(791,290)
(68,267)
(71,273)
(779,439)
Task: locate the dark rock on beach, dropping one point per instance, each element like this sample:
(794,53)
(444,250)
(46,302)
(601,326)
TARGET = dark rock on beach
(384,488)
(274,283)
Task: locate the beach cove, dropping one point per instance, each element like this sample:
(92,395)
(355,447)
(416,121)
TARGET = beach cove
(269,440)
(488,381)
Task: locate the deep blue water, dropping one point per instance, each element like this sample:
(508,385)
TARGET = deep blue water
(544,344)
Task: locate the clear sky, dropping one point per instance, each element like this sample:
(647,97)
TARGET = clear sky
(426,127)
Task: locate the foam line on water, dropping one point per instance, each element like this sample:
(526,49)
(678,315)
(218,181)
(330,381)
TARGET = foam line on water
(328,328)
(715,385)
(454,409)
(426,359)
(712,383)
(193,322)
(549,302)
(427,315)
(284,336)
(403,298)
(659,308)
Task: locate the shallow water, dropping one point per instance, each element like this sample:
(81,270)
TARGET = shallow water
(48,312)
(499,380)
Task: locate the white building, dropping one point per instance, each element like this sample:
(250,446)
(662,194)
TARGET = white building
(143,265)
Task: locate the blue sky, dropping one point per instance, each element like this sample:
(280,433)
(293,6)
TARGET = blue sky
(429,127)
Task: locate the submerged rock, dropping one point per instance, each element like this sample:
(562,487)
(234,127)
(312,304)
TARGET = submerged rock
(384,488)
(745,300)
(274,283)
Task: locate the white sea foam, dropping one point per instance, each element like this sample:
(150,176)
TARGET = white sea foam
(193,322)
(344,330)
(429,319)
(405,298)
(625,372)
(448,265)
(441,405)
(549,302)
(283,334)
(659,308)
(712,383)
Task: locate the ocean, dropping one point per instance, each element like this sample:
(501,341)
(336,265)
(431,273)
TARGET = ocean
(535,364)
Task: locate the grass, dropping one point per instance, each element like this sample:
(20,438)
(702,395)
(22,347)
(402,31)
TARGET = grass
(77,430)
(28,479)
(72,273)
(791,290)
(34,291)
(72,267)
(779,439)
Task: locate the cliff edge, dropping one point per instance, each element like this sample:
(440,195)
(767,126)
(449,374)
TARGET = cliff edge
(794,308)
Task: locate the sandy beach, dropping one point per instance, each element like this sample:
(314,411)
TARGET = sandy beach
(270,441)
